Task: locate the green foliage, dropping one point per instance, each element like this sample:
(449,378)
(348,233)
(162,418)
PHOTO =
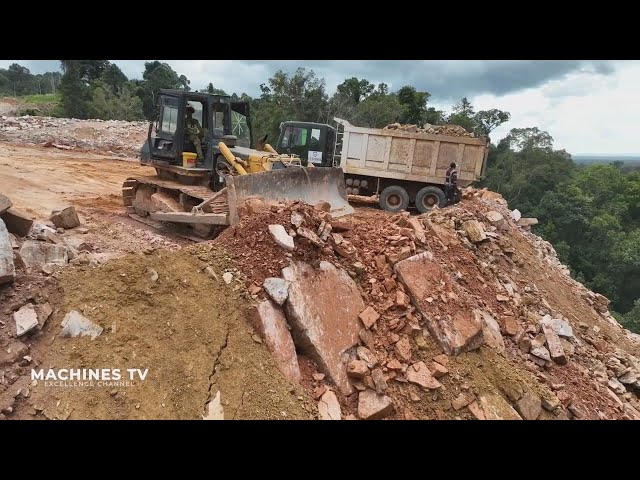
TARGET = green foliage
(109,103)
(414,105)
(41,99)
(378,111)
(74,91)
(631,320)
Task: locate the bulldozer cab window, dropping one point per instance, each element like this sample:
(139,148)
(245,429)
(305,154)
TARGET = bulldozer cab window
(240,128)
(197,106)
(169,115)
(295,137)
(315,137)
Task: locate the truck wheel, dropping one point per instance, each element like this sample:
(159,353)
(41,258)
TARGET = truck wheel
(429,197)
(394,199)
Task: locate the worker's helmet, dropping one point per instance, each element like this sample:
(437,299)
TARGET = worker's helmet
(453,165)
(190,109)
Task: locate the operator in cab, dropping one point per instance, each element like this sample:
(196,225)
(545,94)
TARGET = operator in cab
(193,131)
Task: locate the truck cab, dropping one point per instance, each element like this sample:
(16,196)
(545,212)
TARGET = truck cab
(312,142)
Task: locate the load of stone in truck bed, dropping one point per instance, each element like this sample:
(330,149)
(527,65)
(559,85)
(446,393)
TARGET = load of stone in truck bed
(451,130)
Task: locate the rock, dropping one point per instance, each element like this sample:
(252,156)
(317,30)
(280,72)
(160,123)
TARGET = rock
(459,333)
(379,380)
(281,237)
(211,273)
(254,289)
(36,254)
(81,230)
(476,410)
(357,368)
(496,219)
(75,324)
(527,222)
(277,289)
(13,240)
(322,308)
(329,407)
(402,349)
(311,236)
(43,312)
(12,352)
(628,378)
(632,412)
(616,386)
(227,277)
(516,215)
(26,319)
(152,275)
(318,377)
(555,346)
(273,327)
(438,371)
(372,406)
(559,326)
(474,231)
(462,400)
(402,301)
(367,337)
(490,331)
(367,356)
(441,359)
(568,347)
(577,411)
(502,298)
(65,218)
(17,222)
(394,364)
(508,324)
(322,206)
(419,374)
(415,224)
(358,267)
(529,406)
(404,253)
(369,316)
(541,353)
(496,408)
(5,203)
(340,226)
(7,268)
(215,410)
(550,404)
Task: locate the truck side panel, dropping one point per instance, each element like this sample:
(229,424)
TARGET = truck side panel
(411,156)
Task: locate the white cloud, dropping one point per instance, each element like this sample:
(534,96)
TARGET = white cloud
(584,112)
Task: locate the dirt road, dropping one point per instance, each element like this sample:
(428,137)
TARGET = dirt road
(39,179)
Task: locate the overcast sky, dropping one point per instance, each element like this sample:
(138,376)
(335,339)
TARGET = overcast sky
(588,107)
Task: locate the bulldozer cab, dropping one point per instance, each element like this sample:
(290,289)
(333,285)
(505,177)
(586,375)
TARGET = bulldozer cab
(217,115)
(312,142)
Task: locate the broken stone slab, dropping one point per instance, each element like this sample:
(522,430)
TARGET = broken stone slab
(273,327)
(628,378)
(420,374)
(402,350)
(215,410)
(516,215)
(527,222)
(372,406)
(414,223)
(17,222)
(322,309)
(542,353)
(556,351)
(329,407)
(26,319)
(459,333)
(379,380)
(5,203)
(65,218)
(227,277)
(437,370)
(75,324)
(490,330)
(474,231)
(43,311)
(12,352)
(311,236)
(462,400)
(36,254)
(7,267)
(357,368)
(277,289)
(476,410)
(281,237)
(529,406)
(496,219)
(367,356)
(496,408)
(616,386)
(369,316)
(508,324)
(559,326)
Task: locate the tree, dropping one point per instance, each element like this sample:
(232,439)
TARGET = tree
(111,104)
(356,90)
(463,115)
(488,120)
(214,91)
(158,75)
(113,76)
(527,139)
(73,90)
(378,111)
(414,105)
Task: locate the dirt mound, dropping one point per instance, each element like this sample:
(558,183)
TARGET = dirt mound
(160,312)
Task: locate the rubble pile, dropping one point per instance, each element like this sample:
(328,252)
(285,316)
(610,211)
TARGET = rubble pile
(451,130)
(431,290)
(113,137)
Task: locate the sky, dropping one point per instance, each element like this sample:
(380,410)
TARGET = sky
(587,106)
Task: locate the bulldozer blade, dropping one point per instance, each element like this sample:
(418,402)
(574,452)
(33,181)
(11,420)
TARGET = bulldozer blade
(311,185)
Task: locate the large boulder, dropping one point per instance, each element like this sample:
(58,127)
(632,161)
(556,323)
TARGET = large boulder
(7,269)
(17,222)
(5,203)
(322,309)
(36,254)
(65,218)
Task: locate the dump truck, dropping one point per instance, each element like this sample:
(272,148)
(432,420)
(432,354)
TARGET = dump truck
(202,195)
(395,168)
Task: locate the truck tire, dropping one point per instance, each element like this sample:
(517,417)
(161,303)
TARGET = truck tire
(394,199)
(429,197)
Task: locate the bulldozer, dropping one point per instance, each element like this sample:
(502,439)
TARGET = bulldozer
(198,195)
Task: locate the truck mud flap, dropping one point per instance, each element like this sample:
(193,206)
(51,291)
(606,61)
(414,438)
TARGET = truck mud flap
(311,185)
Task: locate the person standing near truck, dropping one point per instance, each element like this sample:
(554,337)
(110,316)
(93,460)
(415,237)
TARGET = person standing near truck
(451,183)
